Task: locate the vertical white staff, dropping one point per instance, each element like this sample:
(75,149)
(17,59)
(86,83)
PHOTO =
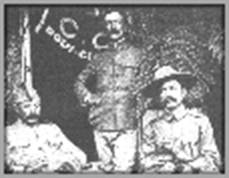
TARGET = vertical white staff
(26,67)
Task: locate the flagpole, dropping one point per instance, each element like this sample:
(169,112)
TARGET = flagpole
(26,63)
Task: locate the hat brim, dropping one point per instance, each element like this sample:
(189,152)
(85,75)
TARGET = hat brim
(186,80)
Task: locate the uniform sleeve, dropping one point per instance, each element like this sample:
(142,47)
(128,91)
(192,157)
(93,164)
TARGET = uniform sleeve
(209,159)
(80,88)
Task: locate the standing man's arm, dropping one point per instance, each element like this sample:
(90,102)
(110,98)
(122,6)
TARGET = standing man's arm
(84,95)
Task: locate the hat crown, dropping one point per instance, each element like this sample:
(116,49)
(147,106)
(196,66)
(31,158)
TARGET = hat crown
(168,71)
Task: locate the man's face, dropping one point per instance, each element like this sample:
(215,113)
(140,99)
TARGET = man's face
(114,25)
(172,94)
(29,111)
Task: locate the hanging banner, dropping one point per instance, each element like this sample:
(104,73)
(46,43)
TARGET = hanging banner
(65,33)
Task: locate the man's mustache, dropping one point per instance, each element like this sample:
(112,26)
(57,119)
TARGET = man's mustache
(114,31)
(168,99)
(31,116)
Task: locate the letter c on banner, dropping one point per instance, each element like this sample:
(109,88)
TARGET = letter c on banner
(71,21)
(95,41)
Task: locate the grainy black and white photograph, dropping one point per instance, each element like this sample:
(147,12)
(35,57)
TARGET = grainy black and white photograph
(114,89)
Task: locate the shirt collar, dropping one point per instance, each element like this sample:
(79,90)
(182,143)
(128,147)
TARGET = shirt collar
(20,122)
(177,114)
(119,43)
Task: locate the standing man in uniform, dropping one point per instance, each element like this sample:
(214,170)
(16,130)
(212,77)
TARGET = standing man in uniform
(113,105)
(177,138)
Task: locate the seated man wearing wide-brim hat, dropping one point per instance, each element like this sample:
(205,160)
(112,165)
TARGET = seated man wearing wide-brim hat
(177,138)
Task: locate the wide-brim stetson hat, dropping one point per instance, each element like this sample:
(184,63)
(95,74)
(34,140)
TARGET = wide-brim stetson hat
(165,73)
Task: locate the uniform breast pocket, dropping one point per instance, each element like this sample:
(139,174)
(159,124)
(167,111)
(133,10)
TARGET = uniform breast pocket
(186,148)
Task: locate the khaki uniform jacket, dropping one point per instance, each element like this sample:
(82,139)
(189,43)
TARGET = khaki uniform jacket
(187,139)
(116,71)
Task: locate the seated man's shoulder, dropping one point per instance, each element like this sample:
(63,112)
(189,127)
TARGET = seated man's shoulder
(48,124)
(50,127)
(18,135)
(15,130)
(11,133)
(10,128)
(197,114)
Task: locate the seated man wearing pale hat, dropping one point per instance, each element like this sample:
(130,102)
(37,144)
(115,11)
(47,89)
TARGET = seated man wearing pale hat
(35,147)
(177,138)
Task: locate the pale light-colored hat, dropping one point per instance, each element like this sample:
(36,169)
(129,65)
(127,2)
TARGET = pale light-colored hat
(165,73)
